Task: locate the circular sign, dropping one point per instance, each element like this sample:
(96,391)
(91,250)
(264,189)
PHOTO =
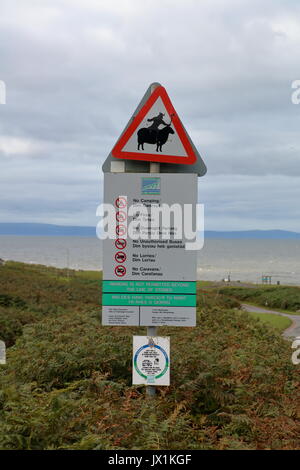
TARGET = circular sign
(121,216)
(121,202)
(120,243)
(120,271)
(120,257)
(121,230)
(151,360)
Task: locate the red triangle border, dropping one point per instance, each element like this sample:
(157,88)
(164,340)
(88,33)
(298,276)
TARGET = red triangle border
(159,157)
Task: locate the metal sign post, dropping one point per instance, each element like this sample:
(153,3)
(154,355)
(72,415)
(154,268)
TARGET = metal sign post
(152,330)
(2,353)
(150,281)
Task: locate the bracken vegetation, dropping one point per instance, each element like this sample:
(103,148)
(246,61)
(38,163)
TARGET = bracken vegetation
(67,382)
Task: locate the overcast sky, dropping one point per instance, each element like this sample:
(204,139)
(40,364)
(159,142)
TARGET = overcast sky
(75,70)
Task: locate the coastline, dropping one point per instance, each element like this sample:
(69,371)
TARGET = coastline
(241,260)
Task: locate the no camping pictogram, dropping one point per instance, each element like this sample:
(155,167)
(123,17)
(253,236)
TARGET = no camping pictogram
(120,257)
(120,271)
(121,202)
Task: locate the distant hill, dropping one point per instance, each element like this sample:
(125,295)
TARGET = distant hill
(46,230)
(75,231)
(259,234)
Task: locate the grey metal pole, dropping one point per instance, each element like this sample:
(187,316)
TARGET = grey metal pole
(152,330)
(150,389)
(68,262)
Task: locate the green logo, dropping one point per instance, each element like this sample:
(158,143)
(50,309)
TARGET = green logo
(151,186)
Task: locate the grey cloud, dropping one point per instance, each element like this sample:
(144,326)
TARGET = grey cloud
(75,72)
(243,202)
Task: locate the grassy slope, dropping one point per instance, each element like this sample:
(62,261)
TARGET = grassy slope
(244,293)
(282,298)
(277,321)
(67,383)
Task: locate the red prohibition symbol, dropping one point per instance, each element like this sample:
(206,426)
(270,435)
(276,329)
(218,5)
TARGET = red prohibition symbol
(120,243)
(120,271)
(121,216)
(121,230)
(120,257)
(121,202)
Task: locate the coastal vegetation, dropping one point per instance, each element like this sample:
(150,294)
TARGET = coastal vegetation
(67,381)
(285,298)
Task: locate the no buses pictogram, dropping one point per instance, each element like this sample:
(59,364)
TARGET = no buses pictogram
(120,243)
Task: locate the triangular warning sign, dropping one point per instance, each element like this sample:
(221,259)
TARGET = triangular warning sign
(156,134)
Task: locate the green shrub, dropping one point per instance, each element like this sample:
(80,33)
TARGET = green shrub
(280,297)
(12,322)
(9,301)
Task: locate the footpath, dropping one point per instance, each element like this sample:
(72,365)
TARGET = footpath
(291,332)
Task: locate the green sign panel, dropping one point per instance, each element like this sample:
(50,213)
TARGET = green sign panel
(150,287)
(158,300)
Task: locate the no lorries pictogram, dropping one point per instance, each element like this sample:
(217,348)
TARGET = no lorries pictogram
(120,257)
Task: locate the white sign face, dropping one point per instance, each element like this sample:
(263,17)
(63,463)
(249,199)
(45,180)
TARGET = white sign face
(148,258)
(149,280)
(151,360)
(2,353)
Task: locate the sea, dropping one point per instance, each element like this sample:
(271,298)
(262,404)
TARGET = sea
(244,260)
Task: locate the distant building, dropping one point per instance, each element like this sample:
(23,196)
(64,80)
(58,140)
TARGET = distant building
(2,262)
(266,279)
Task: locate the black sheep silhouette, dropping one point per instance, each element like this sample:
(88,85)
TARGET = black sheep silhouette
(154,135)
